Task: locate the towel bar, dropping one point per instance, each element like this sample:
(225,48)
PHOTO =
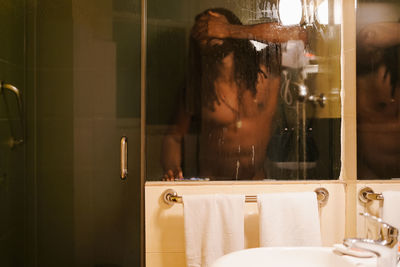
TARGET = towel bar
(171,197)
(366,195)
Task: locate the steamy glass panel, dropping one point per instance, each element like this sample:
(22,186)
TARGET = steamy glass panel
(243,90)
(378,96)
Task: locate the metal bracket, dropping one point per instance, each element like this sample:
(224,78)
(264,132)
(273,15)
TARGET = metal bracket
(366,195)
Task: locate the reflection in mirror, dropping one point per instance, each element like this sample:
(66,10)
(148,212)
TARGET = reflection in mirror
(246,91)
(378,96)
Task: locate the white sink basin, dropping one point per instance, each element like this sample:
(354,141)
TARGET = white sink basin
(284,257)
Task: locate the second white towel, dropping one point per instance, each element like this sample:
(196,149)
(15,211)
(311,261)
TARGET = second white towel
(214,226)
(289,219)
(391,209)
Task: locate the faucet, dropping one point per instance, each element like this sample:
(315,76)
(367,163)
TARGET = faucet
(385,247)
(303,94)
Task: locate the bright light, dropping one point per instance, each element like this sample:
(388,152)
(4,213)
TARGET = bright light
(323,13)
(290,12)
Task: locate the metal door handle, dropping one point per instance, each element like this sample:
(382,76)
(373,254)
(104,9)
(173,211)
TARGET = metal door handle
(14,141)
(14,90)
(124,157)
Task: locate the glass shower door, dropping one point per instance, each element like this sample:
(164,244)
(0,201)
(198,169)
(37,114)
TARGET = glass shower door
(12,153)
(63,202)
(88,97)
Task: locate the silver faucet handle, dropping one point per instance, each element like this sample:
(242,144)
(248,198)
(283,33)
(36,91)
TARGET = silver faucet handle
(388,233)
(377,220)
(373,218)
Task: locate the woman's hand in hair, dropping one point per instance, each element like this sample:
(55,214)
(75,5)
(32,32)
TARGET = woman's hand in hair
(211,26)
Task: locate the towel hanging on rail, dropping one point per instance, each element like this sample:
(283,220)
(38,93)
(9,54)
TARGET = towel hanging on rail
(214,226)
(289,219)
(390,210)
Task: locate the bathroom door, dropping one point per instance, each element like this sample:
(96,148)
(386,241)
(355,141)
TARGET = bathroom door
(77,64)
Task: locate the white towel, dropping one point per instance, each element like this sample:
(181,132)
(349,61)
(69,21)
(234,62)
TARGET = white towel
(391,208)
(214,226)
(289,219)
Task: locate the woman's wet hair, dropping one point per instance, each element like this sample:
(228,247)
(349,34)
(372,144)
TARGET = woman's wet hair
(202,73)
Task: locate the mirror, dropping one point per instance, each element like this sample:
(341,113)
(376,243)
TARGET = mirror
(243,90)
(378,96)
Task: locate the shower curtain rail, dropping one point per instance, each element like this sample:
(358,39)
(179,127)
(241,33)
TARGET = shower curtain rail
(170,197)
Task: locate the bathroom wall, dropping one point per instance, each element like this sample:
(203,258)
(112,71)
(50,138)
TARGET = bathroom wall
(164,224)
